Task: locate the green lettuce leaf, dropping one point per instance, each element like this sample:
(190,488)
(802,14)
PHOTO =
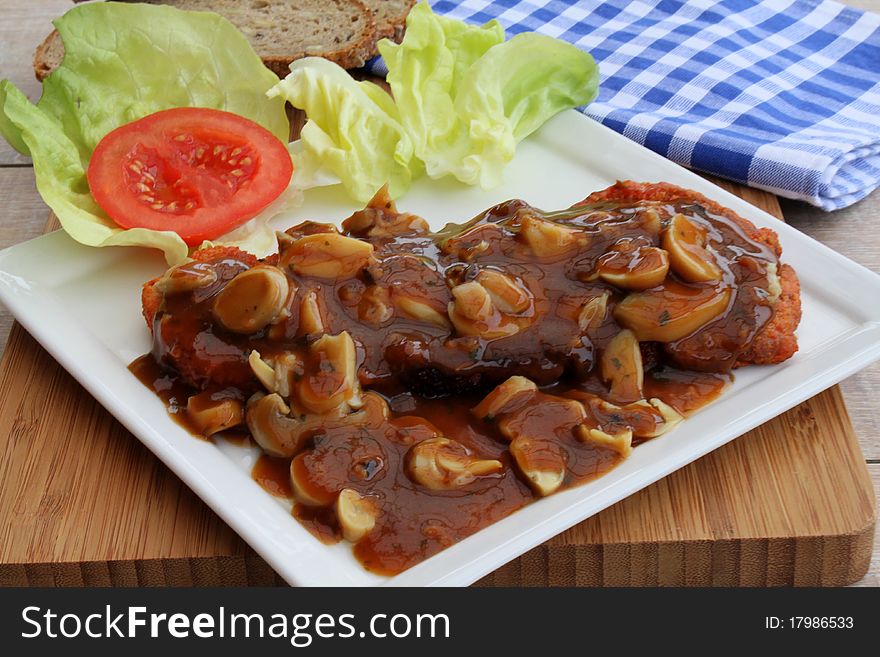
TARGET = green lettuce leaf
(425,71)
(353,132)
(122,62)
(466,99)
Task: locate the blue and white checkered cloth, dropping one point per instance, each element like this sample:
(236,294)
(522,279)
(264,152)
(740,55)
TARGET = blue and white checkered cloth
(782,95)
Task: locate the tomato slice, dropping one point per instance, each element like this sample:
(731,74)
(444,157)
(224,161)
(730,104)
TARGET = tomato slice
(195,171)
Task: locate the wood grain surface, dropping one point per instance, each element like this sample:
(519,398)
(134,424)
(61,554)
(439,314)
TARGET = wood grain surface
(62,520)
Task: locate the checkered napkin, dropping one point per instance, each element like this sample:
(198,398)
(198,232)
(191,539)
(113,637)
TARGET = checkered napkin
(781,95)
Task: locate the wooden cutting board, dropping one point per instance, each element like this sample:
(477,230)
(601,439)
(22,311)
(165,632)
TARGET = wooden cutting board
(82,502)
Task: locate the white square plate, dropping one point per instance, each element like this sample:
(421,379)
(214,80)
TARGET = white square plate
(83,305)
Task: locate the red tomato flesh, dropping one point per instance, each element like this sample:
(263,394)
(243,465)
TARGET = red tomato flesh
(195,171)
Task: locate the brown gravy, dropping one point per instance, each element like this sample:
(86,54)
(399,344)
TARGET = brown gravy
(431,376)
(416,523)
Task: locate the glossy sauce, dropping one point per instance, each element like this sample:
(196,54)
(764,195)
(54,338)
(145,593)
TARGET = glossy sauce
(169,387)
(176,394)
(431,376)
(414,525)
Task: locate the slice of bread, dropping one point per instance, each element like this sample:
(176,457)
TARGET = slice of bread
(280,31)
(390,17)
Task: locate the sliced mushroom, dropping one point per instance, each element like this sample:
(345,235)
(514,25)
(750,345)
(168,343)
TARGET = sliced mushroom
(671,311)
(542,416)
(650,221)
(440,464)
(328,255)
(594,311)
(547,238)
(277,376)
(506,294)
(299,231)
(419,309)
(187,277)
(252,299)
(356,514)
(279,329)
(473,312)
(288,368)
(330,376)
(264,372)
(620,442)
(473,242)
(310,320)
(273,427)
(284,239)
(305,491)
(411,429)
(508,396)
(541,462)
(685,242)
(645,419)
(375,306)
(633,267)
(344,450)
(382,200)
(642,418)
(671,418)
(622,368)
(472,301)
(373,412)
(380,218)
(210,415)
(282,431)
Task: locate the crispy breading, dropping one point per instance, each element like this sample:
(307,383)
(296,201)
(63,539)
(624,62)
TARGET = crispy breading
(151,301)
(777,342)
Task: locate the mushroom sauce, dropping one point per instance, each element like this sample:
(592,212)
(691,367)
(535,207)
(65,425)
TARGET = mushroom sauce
(409,388)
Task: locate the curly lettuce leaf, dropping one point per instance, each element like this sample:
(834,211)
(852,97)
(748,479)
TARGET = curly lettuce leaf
(466,99)
(425,72)
(353,132)
(508,94)
(122,62)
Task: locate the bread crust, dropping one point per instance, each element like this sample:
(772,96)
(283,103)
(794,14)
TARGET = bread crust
(395,27)
(49,54)
(43,55)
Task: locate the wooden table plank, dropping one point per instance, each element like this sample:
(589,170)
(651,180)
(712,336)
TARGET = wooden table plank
(23,211)
(23,218)
(873,576)
(854,232)
(23,24)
